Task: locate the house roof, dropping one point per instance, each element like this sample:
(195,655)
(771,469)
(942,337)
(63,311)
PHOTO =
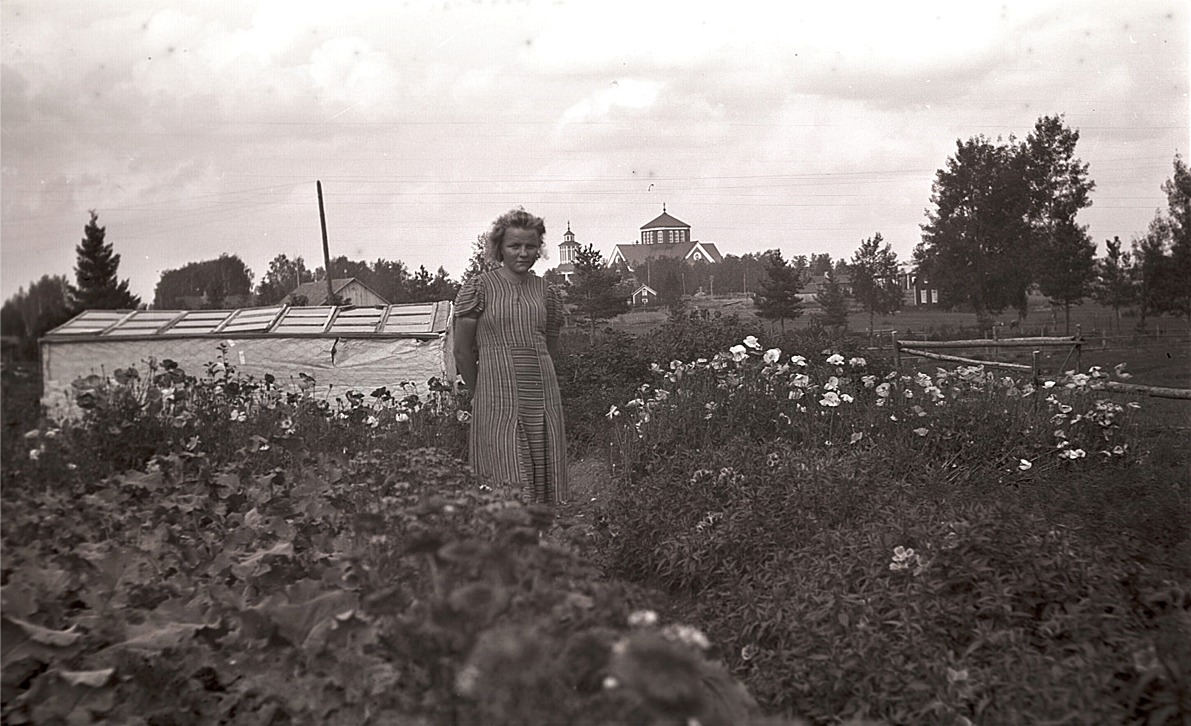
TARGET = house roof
(634,254)
(316,292)
(645,288)
(665,220)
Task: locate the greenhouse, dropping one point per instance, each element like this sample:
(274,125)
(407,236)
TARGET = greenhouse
(341,348)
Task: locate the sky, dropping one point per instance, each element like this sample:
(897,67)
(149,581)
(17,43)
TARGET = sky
(197,128)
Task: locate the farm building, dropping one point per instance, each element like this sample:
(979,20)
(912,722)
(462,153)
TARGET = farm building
(342,348)
(349,290)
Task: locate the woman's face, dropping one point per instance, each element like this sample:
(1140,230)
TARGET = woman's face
(520,249)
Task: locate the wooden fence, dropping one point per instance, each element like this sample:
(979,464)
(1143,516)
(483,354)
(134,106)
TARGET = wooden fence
(1075,343)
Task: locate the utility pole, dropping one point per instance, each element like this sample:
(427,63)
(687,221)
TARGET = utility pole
(322,218)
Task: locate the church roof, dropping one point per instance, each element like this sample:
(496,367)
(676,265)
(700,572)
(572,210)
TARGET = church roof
(636,253)
(664,220)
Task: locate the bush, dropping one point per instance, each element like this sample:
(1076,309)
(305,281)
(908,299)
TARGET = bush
(900,546)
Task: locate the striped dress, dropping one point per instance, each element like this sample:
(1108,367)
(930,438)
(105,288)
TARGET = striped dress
(517,437)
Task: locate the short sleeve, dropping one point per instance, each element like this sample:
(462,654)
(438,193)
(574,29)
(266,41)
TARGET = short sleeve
(469,303)
(554,311)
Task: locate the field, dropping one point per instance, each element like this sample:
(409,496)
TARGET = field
(768,528)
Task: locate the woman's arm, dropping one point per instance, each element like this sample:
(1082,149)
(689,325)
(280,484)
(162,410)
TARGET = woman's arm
(552,347)
(465,351)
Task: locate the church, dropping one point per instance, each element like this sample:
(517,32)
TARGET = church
(662,237)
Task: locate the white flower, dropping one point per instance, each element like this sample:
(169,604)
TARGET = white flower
(857,362)
(1025,465)
(846,398)
(463,416)
(612,412)
(795,394)
(1048,384)
(773,355)
(751,341)
(643,618)
(922,431)
(884,389)
(801,380)
(798,360)
(238,415)
(402,417)
(686,634)
(831,399)
(1119,369)
(372,421)
(1073,454)
(835,360)
(738,352)
(869,381)
(832,384)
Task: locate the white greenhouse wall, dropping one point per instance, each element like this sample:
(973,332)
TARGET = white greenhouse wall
(338,365)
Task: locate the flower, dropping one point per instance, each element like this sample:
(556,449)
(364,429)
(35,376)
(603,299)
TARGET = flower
(798,360)
(738,352)
(402,417)
(773,355)
(238,415)
(643,618)
(857,362)
(749,652)
(1025,464)
(856,437)
(846,397)
(869,381)
(801,380)
(1073,454)
(922,431)
(883,390)
(612,412)
(835,360)
(687,635)
(751,341)
(1119,369)
(831,399)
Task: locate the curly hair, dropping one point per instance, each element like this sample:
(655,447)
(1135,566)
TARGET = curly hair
(513,219)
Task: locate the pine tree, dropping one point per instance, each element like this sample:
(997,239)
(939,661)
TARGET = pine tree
(1067,267)
(1114,285)
(778,299)
(95,274)
(874,278)
(598,292)
(834,302)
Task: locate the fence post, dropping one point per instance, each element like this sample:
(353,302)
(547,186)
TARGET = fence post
(897,356)
(996,347)
(1078,348)
(1035,378)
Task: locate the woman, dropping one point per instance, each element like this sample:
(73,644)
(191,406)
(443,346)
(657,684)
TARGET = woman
(507,323)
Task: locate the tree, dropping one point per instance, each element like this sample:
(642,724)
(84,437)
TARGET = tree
(424,287)
(30,314)
(1067,267)
(834,302)
(820,264)
(203,284)
(597,292)
(976,244)
(479,262)
(996,208)
(97,287)
(283,276)
(778,299)
(1176,290)
(1114,285)
(1150,270)
(874,278)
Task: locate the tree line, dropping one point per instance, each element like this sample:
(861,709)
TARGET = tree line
(1002,223)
